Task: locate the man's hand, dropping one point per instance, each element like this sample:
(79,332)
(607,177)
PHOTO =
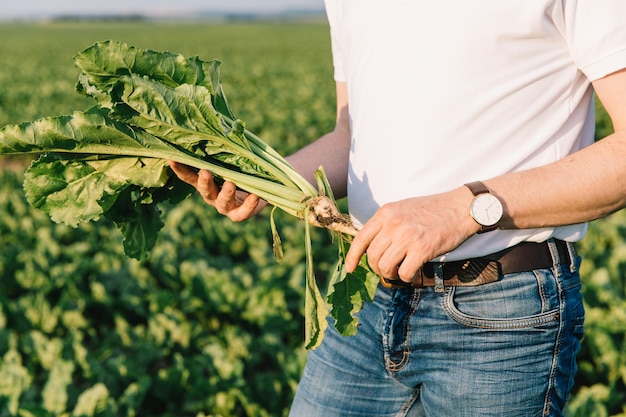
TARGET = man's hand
(235,204)
(403,235)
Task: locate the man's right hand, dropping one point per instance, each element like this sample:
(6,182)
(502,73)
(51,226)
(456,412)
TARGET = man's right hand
(235,204)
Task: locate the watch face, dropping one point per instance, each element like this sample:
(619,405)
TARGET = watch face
(486,209)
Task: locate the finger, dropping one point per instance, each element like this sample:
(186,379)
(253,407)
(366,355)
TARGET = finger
(184,172)
(224,200)
(409,267)
(403,258)
(388,264)
(359,246)
(246,209)
(377,258)
(207,187)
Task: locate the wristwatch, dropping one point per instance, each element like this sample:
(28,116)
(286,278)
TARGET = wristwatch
(486,209)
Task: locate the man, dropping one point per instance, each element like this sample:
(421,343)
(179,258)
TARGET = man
(465,132)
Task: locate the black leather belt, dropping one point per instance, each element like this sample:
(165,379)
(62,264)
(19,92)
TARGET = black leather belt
(524,257)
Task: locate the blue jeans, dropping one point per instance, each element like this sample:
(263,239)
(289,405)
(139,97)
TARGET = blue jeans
(502,349)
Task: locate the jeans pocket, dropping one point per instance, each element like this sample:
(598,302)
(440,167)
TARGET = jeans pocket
(517,301)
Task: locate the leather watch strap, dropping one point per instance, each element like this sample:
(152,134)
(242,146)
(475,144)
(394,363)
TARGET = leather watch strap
(477,187)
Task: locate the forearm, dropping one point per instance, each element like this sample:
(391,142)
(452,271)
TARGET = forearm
(331,152)
(584,186)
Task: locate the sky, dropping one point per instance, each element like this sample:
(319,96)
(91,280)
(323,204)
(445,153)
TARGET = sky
(25,9)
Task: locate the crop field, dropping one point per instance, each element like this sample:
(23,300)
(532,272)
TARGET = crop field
(210,324)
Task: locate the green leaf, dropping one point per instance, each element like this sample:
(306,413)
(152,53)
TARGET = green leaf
(139,220)
(87,133)
(348,293)
(68,191)
(184,116)
(186,107)
(78,190)
(104,62)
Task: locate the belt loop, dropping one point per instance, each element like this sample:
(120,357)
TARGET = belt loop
(573,256)
(438,275)
(554,253)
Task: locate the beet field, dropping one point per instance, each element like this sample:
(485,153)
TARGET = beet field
(209,324)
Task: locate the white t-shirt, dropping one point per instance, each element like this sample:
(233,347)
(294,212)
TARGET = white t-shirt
(444,92)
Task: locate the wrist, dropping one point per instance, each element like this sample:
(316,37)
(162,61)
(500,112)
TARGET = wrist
(463,198)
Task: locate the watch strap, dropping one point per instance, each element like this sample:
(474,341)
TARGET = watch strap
(477,187)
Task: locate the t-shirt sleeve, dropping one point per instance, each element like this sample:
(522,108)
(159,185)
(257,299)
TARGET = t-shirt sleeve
(596,35)
(334,17)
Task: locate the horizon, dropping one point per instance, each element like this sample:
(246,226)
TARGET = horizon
(37,9)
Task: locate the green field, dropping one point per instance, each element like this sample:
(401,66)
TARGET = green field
(210,324)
